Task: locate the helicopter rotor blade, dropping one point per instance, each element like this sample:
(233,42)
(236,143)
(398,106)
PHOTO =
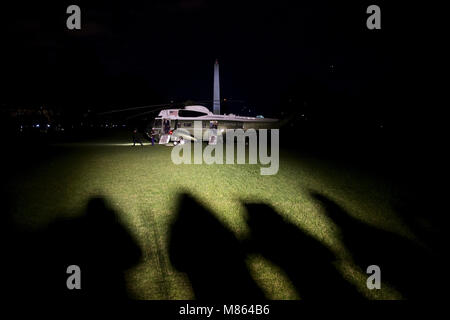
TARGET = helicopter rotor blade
(134,108)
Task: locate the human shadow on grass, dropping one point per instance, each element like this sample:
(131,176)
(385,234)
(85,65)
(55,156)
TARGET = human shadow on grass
(421,210)
(97,242)
(210,255)
(306,261)
(12,241)
(407,266)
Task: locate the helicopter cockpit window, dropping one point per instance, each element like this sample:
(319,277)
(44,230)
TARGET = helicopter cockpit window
(157,123)
(190,113)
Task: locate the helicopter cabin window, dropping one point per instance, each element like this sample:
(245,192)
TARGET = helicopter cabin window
(213,124)
(186,124)
(238,125)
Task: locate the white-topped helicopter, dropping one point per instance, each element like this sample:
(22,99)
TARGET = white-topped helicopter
(176,125)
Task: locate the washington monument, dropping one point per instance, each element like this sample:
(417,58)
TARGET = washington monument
(216,98)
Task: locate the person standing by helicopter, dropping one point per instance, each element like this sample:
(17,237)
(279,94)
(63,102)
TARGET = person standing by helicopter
(152,135)
(136,138)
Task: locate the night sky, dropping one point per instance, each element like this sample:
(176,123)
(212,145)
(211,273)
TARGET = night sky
(316,57)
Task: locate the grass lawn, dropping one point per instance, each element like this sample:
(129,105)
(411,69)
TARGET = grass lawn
(142,185)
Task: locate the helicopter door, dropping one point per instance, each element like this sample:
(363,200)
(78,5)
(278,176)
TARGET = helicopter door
(212,139)
(166,126)
(165,137)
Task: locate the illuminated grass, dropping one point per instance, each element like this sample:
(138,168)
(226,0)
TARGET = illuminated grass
(142,184)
